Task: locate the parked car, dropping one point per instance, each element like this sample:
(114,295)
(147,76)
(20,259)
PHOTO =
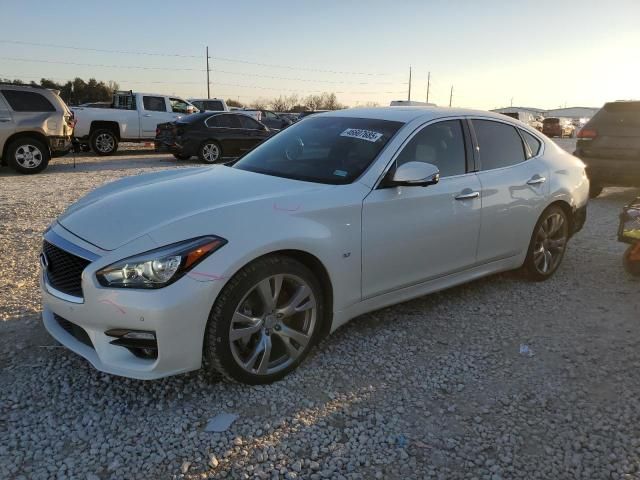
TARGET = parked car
(609,144)
(302,115)
(133,117)
(248,266)
(210,136)
(210,104)
(35,125)
(269,118)
(558,127)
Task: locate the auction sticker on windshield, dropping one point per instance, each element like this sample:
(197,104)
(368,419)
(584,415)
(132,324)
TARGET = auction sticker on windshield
(367,135)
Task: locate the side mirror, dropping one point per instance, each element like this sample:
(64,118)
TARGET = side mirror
(415,174)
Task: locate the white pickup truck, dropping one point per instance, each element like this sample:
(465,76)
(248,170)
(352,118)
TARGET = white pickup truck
(132,117)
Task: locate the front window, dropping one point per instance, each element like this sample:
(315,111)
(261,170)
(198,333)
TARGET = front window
(334,150)
(180,106)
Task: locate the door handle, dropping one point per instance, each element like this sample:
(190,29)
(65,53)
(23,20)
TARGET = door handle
(467,194)
(536,180)
(5,119)
(147,115)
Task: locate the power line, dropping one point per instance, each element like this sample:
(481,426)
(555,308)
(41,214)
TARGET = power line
(222,59)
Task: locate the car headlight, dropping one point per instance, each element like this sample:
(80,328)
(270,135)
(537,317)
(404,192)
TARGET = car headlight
(160,267)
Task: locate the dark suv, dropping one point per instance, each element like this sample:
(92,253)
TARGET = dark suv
(609,144)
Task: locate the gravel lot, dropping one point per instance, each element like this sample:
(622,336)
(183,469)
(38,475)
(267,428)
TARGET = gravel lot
(433,388)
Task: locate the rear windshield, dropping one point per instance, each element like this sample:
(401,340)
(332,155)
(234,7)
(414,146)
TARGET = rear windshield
(333,150)
(551,121)
(618,113)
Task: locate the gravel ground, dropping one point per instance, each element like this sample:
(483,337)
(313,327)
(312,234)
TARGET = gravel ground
(432,388)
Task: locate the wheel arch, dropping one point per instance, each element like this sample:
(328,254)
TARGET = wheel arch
(318,268)
(567,209)
(30,134)
(105,125)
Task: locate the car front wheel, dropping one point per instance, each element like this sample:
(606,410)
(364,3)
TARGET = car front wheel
(548,244)
(264,322)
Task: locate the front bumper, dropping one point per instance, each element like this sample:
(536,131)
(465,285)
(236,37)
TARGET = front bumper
(177,314)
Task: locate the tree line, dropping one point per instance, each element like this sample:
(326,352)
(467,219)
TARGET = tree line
(78,91)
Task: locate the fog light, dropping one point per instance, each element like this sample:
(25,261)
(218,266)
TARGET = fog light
(141,343)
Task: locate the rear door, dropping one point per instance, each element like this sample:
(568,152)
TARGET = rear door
(225,128)
(253,132)
(7,127)
(612,149)
(514,180)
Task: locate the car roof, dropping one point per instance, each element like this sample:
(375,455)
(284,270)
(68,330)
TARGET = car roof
(407,114)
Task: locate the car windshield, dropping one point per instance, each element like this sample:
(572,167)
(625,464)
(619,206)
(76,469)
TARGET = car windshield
(334,150)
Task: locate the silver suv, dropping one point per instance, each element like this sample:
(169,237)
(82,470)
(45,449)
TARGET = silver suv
(35,125)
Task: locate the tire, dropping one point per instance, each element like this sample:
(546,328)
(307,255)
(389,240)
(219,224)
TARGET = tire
(181,156)
(632,267)
(104,142)
(28,155)
(595,190)
(239,306)
(210,152)
(548,244)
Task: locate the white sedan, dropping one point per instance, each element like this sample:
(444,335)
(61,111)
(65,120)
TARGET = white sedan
(242,268)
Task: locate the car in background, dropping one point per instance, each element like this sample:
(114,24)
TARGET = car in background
(243,268)
(302,115)
(558,127)
(210,104)
(131,117)
(289,115)
(210,136)
(35,125)
(269,118)
(609,144)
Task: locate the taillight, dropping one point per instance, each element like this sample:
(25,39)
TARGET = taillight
(587,133)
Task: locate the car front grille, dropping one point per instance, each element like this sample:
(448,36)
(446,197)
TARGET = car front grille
(64,270)
(74,330)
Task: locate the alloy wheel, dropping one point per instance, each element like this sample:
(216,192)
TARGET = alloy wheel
(210,152)
(28,156)
(273,324)
(105,143)
(550,243)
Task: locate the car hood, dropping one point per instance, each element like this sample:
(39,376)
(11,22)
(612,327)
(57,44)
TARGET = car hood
(122,211)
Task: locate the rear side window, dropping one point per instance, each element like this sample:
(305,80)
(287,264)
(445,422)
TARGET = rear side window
(532,142)
(500,145)
(224,121)
(441,144)
(213,105)
(21,101)
(154,104)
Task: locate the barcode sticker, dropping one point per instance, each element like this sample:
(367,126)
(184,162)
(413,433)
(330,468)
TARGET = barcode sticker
(367,135)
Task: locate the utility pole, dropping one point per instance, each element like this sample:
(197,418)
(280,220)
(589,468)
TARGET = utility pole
(451,96)
(208,84)
(428,85)
(409,96)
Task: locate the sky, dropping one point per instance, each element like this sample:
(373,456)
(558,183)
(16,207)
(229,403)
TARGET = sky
(535,53)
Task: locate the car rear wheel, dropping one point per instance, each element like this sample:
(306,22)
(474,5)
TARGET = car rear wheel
(28,155)
(104,142)
(548,244)
(210,152)
(264,322)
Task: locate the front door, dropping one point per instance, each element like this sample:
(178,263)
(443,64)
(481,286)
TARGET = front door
(414,234)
